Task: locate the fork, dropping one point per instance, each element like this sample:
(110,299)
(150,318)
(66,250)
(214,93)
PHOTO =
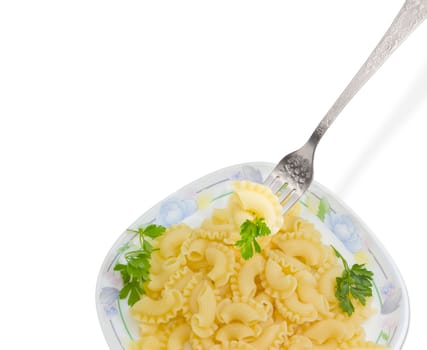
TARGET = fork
(292,176)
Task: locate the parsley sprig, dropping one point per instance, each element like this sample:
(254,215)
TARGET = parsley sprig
(355,282)
(249,231)
(137,270)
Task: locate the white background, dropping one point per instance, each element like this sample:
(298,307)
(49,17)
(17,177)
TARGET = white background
(106,107)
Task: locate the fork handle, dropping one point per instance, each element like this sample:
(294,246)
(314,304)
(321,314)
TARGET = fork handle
(408,19)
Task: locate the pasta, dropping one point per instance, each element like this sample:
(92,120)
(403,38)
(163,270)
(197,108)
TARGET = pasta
(203,295)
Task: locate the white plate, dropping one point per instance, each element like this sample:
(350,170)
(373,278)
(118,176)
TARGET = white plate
(337,223)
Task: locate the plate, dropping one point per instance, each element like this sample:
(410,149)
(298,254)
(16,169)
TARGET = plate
(336,221)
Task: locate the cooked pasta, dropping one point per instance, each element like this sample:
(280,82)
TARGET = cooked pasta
(204,295)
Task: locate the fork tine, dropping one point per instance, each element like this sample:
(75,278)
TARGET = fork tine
(274,182)
(293,198)
(285,193)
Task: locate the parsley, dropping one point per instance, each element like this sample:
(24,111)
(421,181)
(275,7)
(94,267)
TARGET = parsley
(249,231)
(356,282)
(137,270)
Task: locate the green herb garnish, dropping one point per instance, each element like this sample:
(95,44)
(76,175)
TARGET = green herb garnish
(137,270)
(356,282)
(249,231)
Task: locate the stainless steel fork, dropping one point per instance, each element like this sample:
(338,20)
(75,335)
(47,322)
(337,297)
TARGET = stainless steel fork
(294,173)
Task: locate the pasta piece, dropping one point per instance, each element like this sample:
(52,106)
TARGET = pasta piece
(203,321)
(201,344)
(191,293)
(248,312)
(221,259)
(157,311)
(329,329)
(246,286)
(228,237)
(329,345)
(296,311)
(169,267)
(150,342)
(221,221)
(288,264)
(195,250)
(271,338)
(309,252)
(235,331)
(179,337)
(152,337)
(265,301)
(180,279)
(308,293)
(300,342)
(276,282)
(257,200)
(327,283)
(301,229)
(171,242)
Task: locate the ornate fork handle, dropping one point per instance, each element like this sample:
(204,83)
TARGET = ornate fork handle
(409,18)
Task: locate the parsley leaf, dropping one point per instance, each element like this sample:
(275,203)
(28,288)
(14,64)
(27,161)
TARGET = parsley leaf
(137,270)
(355,282)
(249,231)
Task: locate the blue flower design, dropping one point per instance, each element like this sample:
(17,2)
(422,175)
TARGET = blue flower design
(175,210)
(248,173)
(108,298)
(391,297)
(343,227)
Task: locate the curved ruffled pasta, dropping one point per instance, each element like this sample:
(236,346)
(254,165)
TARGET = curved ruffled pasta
(221,258)
(178,336)
(202,344)
(203,321)
(233,345)
(179,279)
(309,233)
(277,283)
(235,331)
(156,262)
(329,329)
(359,344)
(171,242)
(248,312)
(327,283)
(157,311)
(265,301)
(194,249)
(294,224)
(257,200)
(150,342)
(225,291)
(271,338)
(152,337)
(221,221)
(190,294)
(330,261)
(308,251)
(168,267)
(329,345)
(296,311)
(300,342)
(245,285)
(288,264)
(226,237)
(308,293)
